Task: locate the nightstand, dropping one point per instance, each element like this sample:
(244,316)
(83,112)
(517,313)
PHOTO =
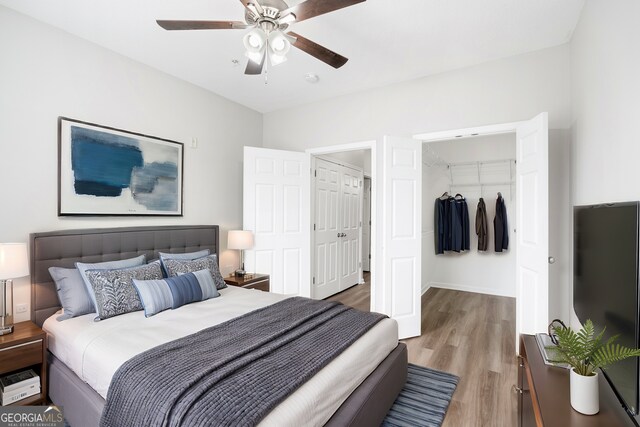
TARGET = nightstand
(26,349)
(250,281)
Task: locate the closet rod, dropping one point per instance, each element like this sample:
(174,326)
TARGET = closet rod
(487,162)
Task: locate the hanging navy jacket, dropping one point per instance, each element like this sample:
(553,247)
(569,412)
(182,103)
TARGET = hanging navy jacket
(442,226)
(460,238)
(501,226)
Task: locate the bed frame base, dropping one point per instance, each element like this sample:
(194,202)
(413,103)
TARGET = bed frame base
(367,405)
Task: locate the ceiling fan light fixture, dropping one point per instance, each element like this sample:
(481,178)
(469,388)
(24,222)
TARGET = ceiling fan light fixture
(278,43)
(254,40)
(276,59)
(254,56)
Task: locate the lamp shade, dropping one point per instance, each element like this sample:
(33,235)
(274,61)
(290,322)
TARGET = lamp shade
(14,262)
(240,239)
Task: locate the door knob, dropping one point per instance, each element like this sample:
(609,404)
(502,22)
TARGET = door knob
(552,260)
(339,234)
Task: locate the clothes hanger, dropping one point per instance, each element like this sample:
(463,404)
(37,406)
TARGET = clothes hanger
(445,194)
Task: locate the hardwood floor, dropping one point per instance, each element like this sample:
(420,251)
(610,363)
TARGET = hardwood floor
(358,296)
(470,335)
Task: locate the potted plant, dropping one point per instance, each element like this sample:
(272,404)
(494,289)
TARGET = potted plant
(585,352)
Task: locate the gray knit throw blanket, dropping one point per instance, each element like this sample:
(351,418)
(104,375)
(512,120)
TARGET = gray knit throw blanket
(235,373)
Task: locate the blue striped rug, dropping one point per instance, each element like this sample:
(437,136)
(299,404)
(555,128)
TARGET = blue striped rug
(424,399)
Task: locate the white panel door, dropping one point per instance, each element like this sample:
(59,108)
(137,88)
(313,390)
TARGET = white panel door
(366,224)
(532,226)
(399,231)
(277,209)
(351,201)
(327,239)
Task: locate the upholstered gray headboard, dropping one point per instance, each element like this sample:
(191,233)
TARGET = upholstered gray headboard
(64,248)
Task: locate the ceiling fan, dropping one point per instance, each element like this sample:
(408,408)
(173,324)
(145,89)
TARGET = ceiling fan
(269,20)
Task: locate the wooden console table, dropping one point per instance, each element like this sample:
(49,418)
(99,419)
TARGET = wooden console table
(544,395)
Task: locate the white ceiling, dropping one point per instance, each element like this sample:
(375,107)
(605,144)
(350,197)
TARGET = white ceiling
(386,41)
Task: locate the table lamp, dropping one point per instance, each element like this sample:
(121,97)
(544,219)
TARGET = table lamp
(240,240)
(13,264)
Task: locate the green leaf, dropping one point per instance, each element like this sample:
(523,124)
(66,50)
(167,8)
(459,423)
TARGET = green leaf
(585,351)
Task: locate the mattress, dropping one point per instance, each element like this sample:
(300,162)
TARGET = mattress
(95,350)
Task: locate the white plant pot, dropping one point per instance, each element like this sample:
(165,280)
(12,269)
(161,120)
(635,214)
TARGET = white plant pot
(584,393)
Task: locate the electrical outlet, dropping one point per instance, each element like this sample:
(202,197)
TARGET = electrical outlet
(21,308)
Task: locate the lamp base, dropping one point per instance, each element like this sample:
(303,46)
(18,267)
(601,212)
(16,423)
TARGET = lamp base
(240,273)
(6,330)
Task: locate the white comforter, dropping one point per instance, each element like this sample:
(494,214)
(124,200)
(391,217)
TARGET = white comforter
(95,350)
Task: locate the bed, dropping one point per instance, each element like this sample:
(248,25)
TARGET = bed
(79,377)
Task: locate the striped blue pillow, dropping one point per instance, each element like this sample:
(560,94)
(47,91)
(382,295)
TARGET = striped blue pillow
(174,292)
(207,284)
(154,295)
(185,289)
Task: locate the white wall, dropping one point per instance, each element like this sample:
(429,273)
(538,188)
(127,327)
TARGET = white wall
(508,90)
(46,73)
(605,70)
(473,271)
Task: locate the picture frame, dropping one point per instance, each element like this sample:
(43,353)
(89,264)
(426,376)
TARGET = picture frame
(105,171)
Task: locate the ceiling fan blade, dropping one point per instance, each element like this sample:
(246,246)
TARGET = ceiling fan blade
(255,3)
(202,25)
(322,53)
(311,8)
(253,68)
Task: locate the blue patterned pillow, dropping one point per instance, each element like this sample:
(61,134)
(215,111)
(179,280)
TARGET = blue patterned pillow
(177,266)
(114,289)
(173,292)
(107,265)
(183,256)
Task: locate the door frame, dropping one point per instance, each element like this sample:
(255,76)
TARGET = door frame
(354,146)
(364,179)
(494,129)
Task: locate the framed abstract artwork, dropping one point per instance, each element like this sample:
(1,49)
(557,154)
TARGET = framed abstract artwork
(108,171)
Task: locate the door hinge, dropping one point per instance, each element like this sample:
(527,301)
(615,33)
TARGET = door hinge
(360,223)
(360,183)
(315,173)
(314,227)
(369,222)
(314,281)
(369,256)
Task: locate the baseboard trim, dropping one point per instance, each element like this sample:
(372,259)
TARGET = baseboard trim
(465,288)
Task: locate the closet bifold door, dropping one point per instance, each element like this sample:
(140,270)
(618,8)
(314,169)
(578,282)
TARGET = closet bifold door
(337,211)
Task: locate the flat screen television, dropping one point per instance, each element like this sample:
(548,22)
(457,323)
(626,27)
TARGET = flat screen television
(605,284)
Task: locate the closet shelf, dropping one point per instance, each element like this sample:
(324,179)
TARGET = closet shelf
(484,184)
